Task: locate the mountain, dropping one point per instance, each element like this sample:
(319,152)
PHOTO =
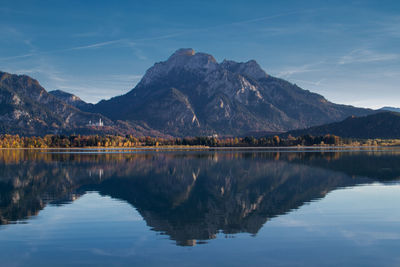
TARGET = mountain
(390,109)
(192,94)
(71,99)
(384,125)
(27,108)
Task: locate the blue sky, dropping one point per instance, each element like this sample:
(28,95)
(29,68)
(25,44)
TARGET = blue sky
(348,51)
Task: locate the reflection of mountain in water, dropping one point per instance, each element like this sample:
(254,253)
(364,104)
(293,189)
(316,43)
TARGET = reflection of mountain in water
(188,196)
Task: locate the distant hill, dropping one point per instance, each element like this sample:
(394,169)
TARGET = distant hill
(390,109)
(385,125)
(71,99)
(191,94)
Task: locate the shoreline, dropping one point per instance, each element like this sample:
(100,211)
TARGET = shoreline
(208,148)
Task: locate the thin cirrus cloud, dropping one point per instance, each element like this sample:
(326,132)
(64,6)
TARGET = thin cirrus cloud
(290,71)
(91,88)
(95,45)
(47,70)
(123,42)
(104,86)
(128,42)
(89,46)
(365,56)
(314,83)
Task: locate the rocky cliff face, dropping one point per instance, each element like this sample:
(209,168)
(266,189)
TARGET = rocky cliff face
(192,94)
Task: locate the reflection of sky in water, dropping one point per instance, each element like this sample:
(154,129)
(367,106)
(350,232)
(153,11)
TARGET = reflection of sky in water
(354,225)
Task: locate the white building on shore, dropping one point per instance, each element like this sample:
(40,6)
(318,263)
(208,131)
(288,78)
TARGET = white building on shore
(97,124)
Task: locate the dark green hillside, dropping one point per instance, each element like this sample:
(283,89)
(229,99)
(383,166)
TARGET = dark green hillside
(384,125)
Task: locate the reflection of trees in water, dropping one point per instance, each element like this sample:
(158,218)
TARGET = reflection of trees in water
(187,195)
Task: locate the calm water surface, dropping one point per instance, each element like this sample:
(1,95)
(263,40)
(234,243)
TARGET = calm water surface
(233,208)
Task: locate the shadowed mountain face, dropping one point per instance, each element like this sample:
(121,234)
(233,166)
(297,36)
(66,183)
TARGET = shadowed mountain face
(384,125)
(192,94)
(188,196)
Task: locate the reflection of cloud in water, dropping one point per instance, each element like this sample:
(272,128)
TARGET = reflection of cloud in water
(366,238)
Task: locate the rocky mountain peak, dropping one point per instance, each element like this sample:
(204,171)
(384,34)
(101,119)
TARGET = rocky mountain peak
(21,84)
(71,99)
(66,95)
(184,59)
(250,68)
(191,94)
(183,52)
(187,58)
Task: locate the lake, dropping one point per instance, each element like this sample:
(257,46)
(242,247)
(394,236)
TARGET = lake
(259,207)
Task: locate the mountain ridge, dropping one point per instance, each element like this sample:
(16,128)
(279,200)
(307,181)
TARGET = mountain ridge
(227,98)
(27,108)
(71,99)
(390,109)
(189,94)
(385,125)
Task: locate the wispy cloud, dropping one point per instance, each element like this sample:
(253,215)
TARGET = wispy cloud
(314,83)
(270,17)
(237,23)
(6,10)
(6,29)
(12,33)
(86,34)
(365,56)
(44,69)
(95,45)
(284,14)
(365,238)
(94,88)
(131,42)
(390,26)
(93,91)
(19,56)
(89,46)
(126,77)
(293,70)
(122,42)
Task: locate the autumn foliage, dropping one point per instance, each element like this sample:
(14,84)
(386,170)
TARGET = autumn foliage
(80,141)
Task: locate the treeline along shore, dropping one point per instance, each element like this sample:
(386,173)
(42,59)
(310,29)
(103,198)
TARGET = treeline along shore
(82,141)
